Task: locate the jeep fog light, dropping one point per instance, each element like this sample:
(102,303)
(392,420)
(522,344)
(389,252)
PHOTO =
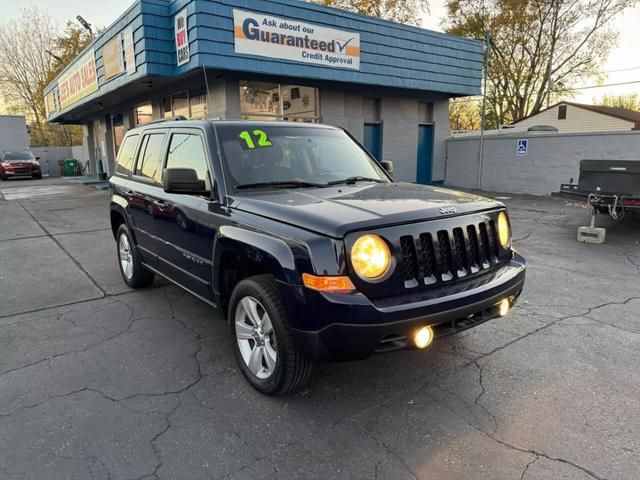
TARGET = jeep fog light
(423,337)
(370,257)
(504,232)
(503,307)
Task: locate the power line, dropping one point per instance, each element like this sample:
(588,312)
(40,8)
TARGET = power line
(621,70)
(606,85)
(589,87)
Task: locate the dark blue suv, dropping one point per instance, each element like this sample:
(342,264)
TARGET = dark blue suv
(305,243)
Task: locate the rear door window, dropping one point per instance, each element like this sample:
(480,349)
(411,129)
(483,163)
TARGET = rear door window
(149,165)
(126,154)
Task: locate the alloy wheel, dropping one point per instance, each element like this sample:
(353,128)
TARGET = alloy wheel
(126,258)
(256,338)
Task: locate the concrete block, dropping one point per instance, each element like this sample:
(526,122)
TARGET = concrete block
(591,234)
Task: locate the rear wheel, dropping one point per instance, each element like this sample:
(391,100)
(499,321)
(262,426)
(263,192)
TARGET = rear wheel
(134,274)
(262,339)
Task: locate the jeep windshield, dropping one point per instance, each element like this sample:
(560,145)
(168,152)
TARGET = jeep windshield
(279,156)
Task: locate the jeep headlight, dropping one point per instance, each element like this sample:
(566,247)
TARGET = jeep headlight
(370,257)
(504,232)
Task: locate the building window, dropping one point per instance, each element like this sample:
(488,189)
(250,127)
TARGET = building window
(273,101)
(562,112)
(180,103)
(187,104)
(198,105)
(143,114)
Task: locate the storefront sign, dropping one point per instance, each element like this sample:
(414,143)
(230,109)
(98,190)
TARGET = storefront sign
(112,58)
(79,81)
(274,37)
(129,50)
(182,37)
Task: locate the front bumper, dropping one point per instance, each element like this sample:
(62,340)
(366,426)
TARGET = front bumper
(22,172)
(355,328)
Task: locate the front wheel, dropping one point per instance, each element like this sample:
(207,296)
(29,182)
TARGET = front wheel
(134,274)
(262,339)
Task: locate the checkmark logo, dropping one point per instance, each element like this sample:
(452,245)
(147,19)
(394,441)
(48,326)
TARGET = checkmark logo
(343,45)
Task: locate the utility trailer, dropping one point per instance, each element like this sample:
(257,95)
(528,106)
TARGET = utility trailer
(610,187)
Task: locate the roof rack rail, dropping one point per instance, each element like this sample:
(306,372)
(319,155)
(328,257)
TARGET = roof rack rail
(168,119)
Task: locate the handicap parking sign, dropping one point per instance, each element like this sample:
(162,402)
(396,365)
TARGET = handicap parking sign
(523,148)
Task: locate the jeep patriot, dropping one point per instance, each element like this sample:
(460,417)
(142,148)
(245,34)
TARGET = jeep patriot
(305,244)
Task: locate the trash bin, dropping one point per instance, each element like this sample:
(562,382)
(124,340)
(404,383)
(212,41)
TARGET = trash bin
(70,165)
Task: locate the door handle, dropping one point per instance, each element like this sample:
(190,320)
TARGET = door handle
(159,203)
(128,193)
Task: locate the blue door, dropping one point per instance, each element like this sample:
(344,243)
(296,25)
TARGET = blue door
(425,153)
(373,139)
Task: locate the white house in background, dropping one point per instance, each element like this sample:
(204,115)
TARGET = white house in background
(570,117)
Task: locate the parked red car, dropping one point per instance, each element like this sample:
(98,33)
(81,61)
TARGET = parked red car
(19,164)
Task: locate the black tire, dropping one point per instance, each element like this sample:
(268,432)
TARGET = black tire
(292,368)
(3,178)
(139,276)
(38,177)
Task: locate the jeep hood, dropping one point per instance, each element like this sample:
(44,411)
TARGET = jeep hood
(335,211)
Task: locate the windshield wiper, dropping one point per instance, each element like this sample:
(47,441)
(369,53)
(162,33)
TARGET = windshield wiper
(353,180)
(281,184)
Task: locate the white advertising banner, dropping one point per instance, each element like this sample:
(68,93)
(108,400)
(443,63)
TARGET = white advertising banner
(182,37)
(275,37)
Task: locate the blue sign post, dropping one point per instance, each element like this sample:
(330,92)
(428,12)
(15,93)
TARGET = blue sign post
(523,148)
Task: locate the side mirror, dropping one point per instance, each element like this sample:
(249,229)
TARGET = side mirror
(388,167)
(182,180)
(37,158)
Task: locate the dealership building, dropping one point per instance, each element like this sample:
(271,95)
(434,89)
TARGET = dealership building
(388,84)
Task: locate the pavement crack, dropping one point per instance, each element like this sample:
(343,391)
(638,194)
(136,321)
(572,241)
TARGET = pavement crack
(536,457)
(130,322)
(510,446)
(64,250)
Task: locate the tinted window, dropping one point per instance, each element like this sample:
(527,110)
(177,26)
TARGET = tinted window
(125,156)
(256,154)
(187,151)
(150,158)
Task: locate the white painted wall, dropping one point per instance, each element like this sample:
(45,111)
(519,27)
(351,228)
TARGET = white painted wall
(553,159)
(400,119)
(578,120)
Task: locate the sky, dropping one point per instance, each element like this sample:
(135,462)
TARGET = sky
(624,57)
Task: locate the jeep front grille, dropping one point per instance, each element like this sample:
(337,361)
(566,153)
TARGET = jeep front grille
(448,254)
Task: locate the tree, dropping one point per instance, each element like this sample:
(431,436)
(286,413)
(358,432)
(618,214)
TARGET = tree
(465,114)
(26,69)
(540,49)
(630,101)
(66,47)
(401,11)
(24,63)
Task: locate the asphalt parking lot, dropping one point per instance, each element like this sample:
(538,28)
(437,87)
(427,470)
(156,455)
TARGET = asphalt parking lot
(100,382)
